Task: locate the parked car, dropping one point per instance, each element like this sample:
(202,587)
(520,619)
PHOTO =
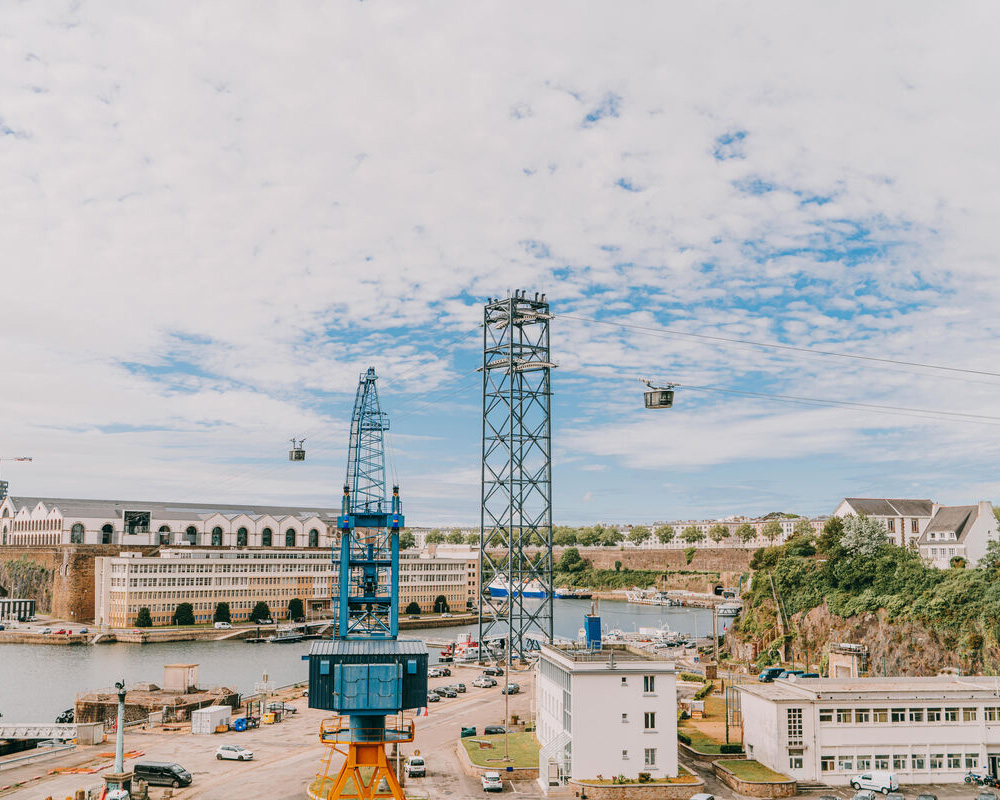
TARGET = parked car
(234,752)
(864,794)
(484,682)
(810,675)
(415,767)
(435,672)
(63,632)
(884,782)
(459,687)
(895,796)
(467,730)
(446,691)
(493,671)
(46,631)
(84,630)
(445,671)
(702,796)
(223,626)
(433,697)
(768,675)
(492,782)
(446,614)
(510,688)
(284,708)
(162,773)
(493,730)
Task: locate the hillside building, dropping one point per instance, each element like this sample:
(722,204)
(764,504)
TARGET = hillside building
(962,531)
(926,730)
(611,711)
(905,520)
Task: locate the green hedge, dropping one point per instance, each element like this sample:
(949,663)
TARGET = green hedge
(727,749)
(704,691)
(692,677)
(684,738)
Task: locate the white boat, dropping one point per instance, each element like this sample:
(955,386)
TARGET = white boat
(650,597)
(730,608)
(501,587)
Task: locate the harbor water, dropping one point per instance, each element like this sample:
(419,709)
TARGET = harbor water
(38,682)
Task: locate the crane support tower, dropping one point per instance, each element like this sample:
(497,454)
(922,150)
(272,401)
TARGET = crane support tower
(515,554)
(367,676)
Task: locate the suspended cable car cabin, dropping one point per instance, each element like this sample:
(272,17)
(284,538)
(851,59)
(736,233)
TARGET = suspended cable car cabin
(659,398)
(297,453)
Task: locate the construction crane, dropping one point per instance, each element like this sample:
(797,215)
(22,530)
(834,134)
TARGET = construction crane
(365,674)
(4,484)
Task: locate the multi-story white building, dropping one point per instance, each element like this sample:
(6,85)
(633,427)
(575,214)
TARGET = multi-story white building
(926,730)
(54,520)
(963,531)
(604,712)
(905,520)
(439,571)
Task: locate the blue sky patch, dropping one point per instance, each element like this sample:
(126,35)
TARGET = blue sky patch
(608,107)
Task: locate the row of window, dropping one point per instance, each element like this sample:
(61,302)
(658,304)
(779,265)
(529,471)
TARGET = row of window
(864,716)
(901,762)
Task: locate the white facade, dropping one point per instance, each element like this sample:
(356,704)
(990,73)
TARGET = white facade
(963,531)
(905,520)
(607,712)
(926,730)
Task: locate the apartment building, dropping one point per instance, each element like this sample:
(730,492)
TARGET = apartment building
(962,531)
(904,520)
(436,572)
(926,730)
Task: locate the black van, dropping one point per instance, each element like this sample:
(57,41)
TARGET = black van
(162,773)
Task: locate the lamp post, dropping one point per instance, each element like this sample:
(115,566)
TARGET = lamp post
(119,779)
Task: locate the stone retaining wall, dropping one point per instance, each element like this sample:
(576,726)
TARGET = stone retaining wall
(636,791)
(787,788)
(706,758)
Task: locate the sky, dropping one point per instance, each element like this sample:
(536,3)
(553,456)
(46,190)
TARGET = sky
(217,215)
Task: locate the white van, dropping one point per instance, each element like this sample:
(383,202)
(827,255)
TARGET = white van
(224,626)
(884,782)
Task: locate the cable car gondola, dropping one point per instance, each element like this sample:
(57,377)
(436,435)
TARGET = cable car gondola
(659,396)
(297,453)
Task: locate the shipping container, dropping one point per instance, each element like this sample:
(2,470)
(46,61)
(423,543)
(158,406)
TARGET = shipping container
(206,720)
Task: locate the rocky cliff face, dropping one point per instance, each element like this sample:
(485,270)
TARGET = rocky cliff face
(24,577)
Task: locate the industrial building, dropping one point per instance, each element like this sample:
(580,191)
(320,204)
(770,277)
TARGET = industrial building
(16,609)
(926,730)
(608,711)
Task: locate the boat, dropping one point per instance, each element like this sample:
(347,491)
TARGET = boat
(650,597)
(572,594)
(501,587)
(730,608)
(286,636)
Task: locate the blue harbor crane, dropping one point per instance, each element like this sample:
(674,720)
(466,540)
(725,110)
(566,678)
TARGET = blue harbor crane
(365,674)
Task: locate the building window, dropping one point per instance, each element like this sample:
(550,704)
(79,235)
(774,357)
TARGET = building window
(990,713)
(914,526)
(933,714)
(265,537)
(951,715)
(882,761)
(918,762)
(290,537)
(649,757)
(899,715)
(794,720)
(624,717)
(845,763)
(899,762)
(968,715)
(864,762)
(880,715)
(241,537)
(648,684)
(826,763)
(624,755)
(916,715)
(826,715)
(891,523)
(314,538)
(937,760)
(216,536)
(649,720)
(862,715)
(795,759)
(845,716)
(76,534)
(954,760)
(107,532)
(972,761)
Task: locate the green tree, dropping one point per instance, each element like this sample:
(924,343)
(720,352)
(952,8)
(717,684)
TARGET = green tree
(610,537)
(413,608)
(183,614)
(958,562)
(746,533)
(144,619)
(618,566)
(828,541)
(717,533)
(863,535)
(772,530)
(803,527)
(990,560)
(665,533)
(260,612)
(440,604)
(434,537)
(456,537)
(222,613)
(692,535)
(571,561)
(407,541)
(295,610)
(563,536)
(472,539)
(639,534)
(587,537)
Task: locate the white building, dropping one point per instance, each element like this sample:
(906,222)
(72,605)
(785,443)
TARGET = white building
(905,520)
(605,712)
(958,531)
(926,730)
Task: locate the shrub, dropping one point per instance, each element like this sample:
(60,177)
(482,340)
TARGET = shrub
(683,738)
(692,677)
(260,612)
(184,614)
(413,608)
(726,749)
(704,691)
(689,553)
(440,604)
(144,619)
(295,609)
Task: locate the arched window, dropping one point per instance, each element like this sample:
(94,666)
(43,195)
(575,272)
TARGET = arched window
(164,534)
(290,537)
(314,538)
(216,536)
(241,537)
(265,537)
(106,533)
(6,513)
(76,534)
(192,534)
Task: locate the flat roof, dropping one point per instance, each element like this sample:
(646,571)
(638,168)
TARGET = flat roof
(619,653)
(877,689)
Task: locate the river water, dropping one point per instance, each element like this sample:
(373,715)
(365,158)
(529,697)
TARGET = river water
(37,682)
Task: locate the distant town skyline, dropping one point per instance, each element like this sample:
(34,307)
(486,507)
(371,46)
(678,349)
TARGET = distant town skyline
(208,237)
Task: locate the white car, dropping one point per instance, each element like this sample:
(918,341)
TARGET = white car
(415,767)
(876,781)
(492,782)
(234,752)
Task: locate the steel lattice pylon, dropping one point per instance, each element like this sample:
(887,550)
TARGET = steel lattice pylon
(516,510)
(366,454)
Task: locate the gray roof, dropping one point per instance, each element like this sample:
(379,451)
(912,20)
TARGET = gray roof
(368,647)
(885,507)
(113,508)
(951,519)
